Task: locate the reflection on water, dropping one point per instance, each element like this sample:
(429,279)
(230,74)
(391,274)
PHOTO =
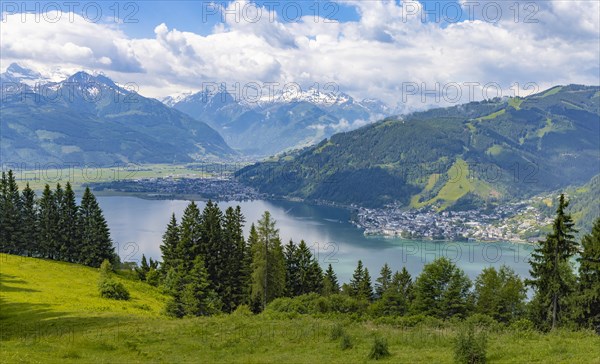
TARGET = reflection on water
(137,226)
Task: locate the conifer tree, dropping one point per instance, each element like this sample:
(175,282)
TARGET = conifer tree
(233,271)
(168,248)
(330,282)
(268,263)
(211,246)
(29,238)
(48,224)
(59,242)
(551,273)
(292,270)
(96,244)
(360,283)
(3,221)
(383,282)
(588,297)
(189,237)
(11,215)
(68,226)
(197,298)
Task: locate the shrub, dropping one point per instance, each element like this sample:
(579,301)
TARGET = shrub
(379,349)
(522,325)
(112,289)
(108,287)
(470,346)
(337,330)
(482,321)
(242,310)
(346,342)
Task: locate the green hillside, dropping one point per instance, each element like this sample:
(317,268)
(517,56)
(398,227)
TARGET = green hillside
(51,312)
(488,151)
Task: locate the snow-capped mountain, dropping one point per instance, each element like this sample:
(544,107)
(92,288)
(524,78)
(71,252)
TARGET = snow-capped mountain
(273,123)
(91,119)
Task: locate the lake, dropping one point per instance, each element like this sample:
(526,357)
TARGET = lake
(137,225)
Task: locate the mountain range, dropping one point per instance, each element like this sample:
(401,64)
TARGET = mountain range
(91,119)
(449,158)
(267,125)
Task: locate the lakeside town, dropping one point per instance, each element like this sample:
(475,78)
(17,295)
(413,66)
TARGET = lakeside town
(513,222)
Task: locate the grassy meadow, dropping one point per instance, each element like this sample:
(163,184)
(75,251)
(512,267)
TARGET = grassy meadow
(51,312)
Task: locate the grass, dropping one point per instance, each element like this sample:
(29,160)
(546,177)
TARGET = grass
(552,91)
(492,115)
(50,312)
(458,185)
(515,102)
(79,176)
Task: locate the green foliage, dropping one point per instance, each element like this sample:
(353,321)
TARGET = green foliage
(113,290)
(346,342)
(587,300)
(552,275)
(268,263)
(108,287)
(337,331)
(442,290)
(390,161)
(330,282)
(500,294)
(379,349)
(470,346)
(360,284)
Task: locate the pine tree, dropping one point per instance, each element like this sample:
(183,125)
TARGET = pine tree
(189,237)
(292,270)
(365,289)
(57,249)
(48,223)
(360,283)
(3,223)
(396,299)
(29,238)
(330,282)
(313,278)
(249,264)
(356,280)
(170,240)
(588,297)
(211,246)
(383,282)
(11,215)
(197,298)
(234,272)
(143,269)
(268,264)
(68,226)
(550,270)
(96,244)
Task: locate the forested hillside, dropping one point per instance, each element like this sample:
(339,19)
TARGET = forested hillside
(487,151)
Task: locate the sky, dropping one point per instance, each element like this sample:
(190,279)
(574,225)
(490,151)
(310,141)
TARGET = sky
(409,54)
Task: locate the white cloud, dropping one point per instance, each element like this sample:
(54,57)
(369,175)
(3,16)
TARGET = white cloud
(377,56)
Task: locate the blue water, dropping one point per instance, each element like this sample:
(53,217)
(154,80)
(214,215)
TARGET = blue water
(137,226)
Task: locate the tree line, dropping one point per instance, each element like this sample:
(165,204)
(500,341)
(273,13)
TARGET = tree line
(208,267)
(53,226)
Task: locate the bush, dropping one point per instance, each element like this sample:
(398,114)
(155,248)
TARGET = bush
(337,330)
(522,325)
(379,349)
(108,287)
(470,346)
(482,321)
(242,310)
(346,342)
(112,289)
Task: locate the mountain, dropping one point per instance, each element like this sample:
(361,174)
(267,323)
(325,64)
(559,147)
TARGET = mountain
(91,119)
(450,158)
(278,122)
